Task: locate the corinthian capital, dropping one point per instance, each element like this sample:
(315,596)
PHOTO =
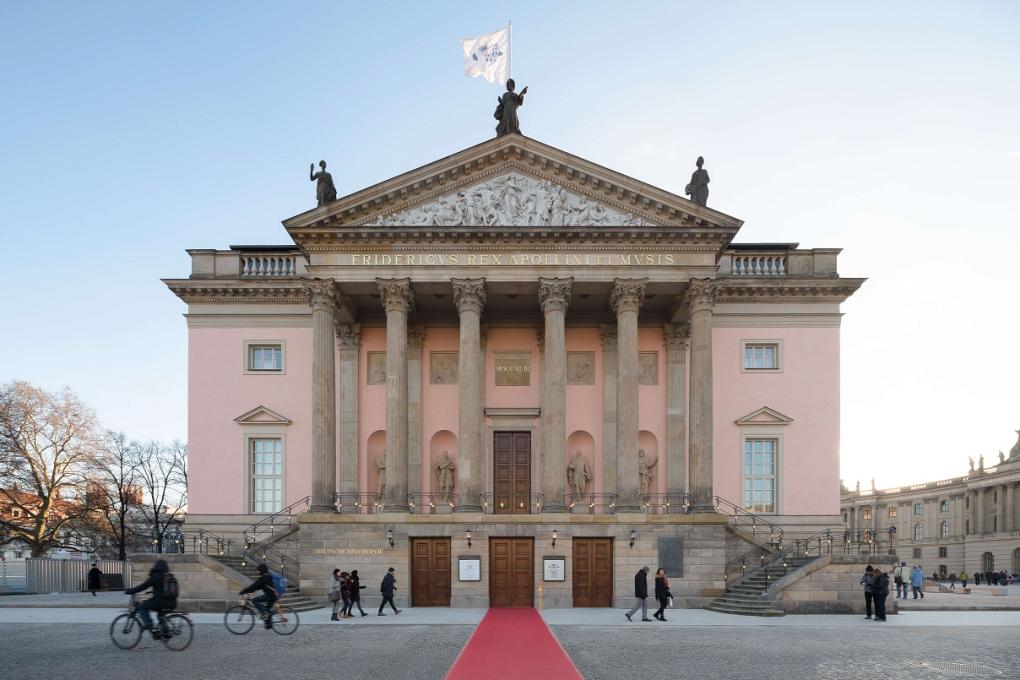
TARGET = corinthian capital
(416,337)
(397,295)
(627,295)
(322,295)
(676,337)
(469,295)
(348,335)
(700,295)
(554,294)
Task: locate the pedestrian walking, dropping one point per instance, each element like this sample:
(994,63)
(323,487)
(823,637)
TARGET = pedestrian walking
(868,581)
(661,593)
(95,579)
(881,588)
(917,581)
(963,577)
(356,589)
(334,594)
(952,580)
(388,586)
(901,577)
(641,593)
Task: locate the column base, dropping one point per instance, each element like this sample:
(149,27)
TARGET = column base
(468,508)
(554,508)
(321,508)
(702,509)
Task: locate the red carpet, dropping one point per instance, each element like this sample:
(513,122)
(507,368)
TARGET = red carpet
(513,644)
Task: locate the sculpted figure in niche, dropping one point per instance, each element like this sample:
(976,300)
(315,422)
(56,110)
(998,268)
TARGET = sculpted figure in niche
(645,471)
(506,110)
(698,187)
(445,470)
(578,474)
(325,192)
(380,464)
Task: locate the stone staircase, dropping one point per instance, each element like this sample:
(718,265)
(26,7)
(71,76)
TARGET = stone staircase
(292,598)
(745,595)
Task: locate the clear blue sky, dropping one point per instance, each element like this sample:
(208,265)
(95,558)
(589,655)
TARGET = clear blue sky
(131,131)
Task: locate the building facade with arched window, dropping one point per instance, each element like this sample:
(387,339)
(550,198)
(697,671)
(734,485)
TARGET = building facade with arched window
(965,522)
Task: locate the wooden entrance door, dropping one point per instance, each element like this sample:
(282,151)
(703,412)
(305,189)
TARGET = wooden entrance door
(593,572)
(511,472)
(430,572)
(511,572)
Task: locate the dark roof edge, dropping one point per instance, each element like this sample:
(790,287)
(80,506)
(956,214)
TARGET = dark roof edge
(288,247)
(763,246)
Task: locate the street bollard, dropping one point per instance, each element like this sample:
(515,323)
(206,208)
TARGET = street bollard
(540,598)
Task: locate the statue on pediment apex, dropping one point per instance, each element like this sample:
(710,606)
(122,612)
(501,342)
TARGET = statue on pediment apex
(1002,457)
(697,189)
(325,191)
(506,110)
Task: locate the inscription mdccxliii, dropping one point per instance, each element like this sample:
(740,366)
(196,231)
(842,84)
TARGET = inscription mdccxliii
(511,259)
(513,369)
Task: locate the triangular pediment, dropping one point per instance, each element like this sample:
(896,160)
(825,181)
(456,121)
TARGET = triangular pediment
(764,416)
(522,178)
(260,415)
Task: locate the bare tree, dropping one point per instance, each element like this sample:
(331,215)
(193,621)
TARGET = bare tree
(162,474)
(117,485)
(48,441)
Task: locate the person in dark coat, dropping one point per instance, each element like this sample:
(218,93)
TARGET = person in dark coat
(641,594)
(388,586)
(881,588)
(264,602)
(95,579)
(868,581)
(661,593)
(356,589)
(160,600)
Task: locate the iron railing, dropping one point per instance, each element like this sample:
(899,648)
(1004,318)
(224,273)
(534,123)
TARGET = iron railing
(429,503)
(767,537)
(274,523)
(505,503)
(596,503)
(207,543)
(666,503)
(358,503)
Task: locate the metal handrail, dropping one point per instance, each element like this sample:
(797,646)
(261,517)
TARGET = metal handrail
(359,503)
(742,519)
(426,503)
(493,503)
(664,503)
(274,520)
(595,502)
(207,543)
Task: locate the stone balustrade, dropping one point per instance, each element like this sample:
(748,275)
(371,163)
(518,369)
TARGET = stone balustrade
(247,262)
(759,265)
(774,260)
(268,265)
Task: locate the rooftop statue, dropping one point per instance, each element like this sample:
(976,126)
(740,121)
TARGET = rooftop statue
(971,460)
(506,110)
(697,189)
(1014,453)
(325,192)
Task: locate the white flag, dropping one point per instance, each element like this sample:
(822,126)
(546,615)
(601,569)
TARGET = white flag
(488,56)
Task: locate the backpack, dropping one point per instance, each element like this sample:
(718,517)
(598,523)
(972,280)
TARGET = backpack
(171,589)
(279,584)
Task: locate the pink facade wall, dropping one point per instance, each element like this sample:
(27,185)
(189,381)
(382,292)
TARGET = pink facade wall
(440,412)
(806,390)
(371,412)
(220,391)
(652,409)
(584,407)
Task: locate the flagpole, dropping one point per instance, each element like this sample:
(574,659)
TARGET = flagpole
(509,50)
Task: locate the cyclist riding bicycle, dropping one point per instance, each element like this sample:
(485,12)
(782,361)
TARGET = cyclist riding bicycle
(264,602)
(164,594)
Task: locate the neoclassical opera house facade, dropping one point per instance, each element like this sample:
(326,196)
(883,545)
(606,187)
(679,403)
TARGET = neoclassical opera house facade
(510,374)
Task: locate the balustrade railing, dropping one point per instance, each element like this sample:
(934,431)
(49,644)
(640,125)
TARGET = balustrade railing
(207,543)
(666,503)
(267,528)
(759,265)
(358,503)
(593,503)
(505,503)
(431,503)
(268,265)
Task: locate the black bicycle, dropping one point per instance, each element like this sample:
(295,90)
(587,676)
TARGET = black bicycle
(174,628)
(240,618)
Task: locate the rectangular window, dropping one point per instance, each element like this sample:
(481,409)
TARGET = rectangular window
(866,514)
(892,511)
(917,553)
(943,506)
(265,357)
(266,475)
(15,513)
(760,475)
(943,551)
(761,356)
(918,508)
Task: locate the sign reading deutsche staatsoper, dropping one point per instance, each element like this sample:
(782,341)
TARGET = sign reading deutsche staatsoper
(509,259)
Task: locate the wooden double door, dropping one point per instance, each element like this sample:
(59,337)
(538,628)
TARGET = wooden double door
(430,572)
(593,572)
(511,472)
(511,572)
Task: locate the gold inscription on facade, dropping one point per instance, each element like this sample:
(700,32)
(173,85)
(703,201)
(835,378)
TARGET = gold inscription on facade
(518,259)
(513,369)
(347,551)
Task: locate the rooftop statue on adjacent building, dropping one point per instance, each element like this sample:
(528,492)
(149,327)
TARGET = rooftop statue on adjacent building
(1014,453)
(697,189)
(325,191)
(445,470)
(970,459)
(981,463)
(506,110)
(578,474)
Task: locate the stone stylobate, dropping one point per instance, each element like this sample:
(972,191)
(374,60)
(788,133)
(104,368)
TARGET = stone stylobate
(700,300)
(554,297)
(469,296)
(626,301)
(397,300)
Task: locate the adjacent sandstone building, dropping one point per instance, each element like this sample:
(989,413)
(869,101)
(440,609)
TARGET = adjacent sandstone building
(501,311)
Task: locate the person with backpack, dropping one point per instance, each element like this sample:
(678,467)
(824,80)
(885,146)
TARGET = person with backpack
(356,589)
(264,602)
(165,591)
(388,586)
(868,581)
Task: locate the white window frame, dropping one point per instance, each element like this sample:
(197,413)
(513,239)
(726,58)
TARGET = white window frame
(250,498)
(918,506)
(256,430)
(918,531)
(892,512)
(944,505)
(744,342)
(776,470)
(249,345)
(944,529)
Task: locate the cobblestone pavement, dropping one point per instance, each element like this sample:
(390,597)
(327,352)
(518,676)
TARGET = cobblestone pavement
(811,653)
(30,651)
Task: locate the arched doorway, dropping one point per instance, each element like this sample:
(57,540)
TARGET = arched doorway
(987,562)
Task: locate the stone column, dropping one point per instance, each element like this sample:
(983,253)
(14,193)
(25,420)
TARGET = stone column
(700,299)
(609,367)
(415,344)
(469,296)
(626,301)
(349,337)
(397,299)
(1010,524)
(972,511)
(979,526)
(322,298)
(554,296)
(676,413)
(1003,506)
